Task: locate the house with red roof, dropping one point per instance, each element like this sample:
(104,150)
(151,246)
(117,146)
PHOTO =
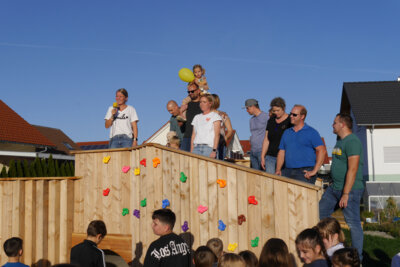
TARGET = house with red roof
(20,139)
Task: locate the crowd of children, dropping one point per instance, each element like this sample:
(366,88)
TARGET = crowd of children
(320,246)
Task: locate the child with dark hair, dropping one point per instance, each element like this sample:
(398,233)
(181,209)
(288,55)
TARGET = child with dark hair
(217,246)
(13,250)
(204,257)
(87,254)
(346,257)
(169,249)
(311,249)
(275,253)
(249,257)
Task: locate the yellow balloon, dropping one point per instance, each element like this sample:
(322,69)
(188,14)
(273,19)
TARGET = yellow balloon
(186,75)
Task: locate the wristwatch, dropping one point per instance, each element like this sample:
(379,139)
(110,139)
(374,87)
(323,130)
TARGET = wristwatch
(135,139)
(214,150)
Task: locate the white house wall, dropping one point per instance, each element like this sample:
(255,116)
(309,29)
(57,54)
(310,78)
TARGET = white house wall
(382,138)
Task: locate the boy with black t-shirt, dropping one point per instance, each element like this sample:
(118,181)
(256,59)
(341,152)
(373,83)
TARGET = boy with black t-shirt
(169,249)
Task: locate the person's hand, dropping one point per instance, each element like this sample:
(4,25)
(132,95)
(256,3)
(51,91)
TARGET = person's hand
(263,163)
(113,112)
(309,174)
(343,200)
(278,172)
(213,154)
(134,143)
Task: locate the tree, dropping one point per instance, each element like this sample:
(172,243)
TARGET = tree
(4,173)
(12,170)
(57,166)
(67,169)
(38,166)
(62,170)
(51,167)
(32,169)
(20,172)
(44,167)
(72,167)
(27,172)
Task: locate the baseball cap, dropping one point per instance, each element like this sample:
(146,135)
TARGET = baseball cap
(250,102)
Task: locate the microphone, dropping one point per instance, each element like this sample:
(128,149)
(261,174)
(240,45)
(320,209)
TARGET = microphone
(115,105)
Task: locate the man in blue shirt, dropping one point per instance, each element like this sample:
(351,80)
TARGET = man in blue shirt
(301,149)
(258,124)
(174,126)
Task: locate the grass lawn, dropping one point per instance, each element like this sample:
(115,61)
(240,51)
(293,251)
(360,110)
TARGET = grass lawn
(378,251)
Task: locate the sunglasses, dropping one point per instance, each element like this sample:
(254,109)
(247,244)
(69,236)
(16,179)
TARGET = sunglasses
(294,114)
(191,92)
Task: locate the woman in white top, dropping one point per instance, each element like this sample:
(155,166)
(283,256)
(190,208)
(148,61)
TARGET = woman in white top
(206,129)
(123,122)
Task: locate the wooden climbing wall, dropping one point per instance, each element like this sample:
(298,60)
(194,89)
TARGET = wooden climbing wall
(284,207)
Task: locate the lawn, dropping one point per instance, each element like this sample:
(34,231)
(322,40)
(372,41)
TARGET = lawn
(378,251)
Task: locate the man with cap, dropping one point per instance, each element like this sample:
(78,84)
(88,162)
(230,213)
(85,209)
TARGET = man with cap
(258,124)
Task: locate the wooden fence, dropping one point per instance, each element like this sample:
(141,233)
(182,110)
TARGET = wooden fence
(40,211)
(285,207)
(49,212)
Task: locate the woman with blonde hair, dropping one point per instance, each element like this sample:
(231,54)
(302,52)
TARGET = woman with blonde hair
(206,129)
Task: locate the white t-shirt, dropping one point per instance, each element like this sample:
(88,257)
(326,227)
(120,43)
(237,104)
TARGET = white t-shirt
(122,124)
(204,127)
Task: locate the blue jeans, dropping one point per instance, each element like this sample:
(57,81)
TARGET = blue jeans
(270,164)
(351,213)
(204,150)
(120,141)
(298,174)
(255,160)
(186,144)
(221,152)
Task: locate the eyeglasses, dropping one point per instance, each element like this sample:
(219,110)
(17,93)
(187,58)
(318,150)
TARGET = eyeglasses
(191,92)
(294,114)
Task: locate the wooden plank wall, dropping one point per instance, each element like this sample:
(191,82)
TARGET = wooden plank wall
(40,211)
(285,207)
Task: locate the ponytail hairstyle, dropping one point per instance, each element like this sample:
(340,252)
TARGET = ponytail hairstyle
(330,226)
(346,257)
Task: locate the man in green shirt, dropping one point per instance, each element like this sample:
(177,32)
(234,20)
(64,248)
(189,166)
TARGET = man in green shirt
(346,171)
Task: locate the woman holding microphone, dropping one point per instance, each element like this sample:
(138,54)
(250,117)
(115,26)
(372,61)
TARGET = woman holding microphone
(122,119)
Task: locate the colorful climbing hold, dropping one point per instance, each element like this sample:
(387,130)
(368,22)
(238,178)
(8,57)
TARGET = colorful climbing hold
(106,159)
(165,203)
(156,161)
(136,213)
(106,192)
(143,202)
(185,226)
(183,177)
(143,162)
(221,225)
(241,219)
(252,200)
(136,171)
(201,209)
(232,246)
(125,211)
(125,169)
(254,242)
(221,182)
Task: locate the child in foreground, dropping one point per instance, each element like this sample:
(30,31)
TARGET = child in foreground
(13,250)
(204,257)
(332,235)
(87,253)
(169,249)
(310,248)
(249,257)
(217,246)
(231,260)
(275,253)
(346,257)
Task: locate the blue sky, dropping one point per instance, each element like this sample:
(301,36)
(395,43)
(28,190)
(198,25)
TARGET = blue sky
(61,61)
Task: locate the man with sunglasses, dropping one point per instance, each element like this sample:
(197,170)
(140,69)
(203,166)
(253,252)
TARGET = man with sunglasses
(301,149)
(192,110)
